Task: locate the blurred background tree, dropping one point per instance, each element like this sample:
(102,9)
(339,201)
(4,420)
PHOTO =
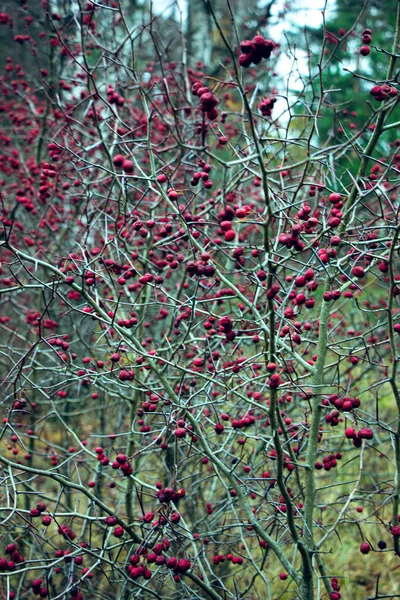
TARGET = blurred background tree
(349,76)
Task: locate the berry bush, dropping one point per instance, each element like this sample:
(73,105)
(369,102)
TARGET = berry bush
(200,325)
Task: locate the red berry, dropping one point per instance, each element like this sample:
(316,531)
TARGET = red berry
(118,160)
(365,548)
(358,271)
(127,166)
(335,198)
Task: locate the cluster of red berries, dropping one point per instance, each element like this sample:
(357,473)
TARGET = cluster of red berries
(328,462)
(253,51)
(220,558)
(90,278)
(203,175)
(208,102)
(148,517)
(326,254)
(273,291)
(181,429)
(66,532)
(15,559)
(336,214)
(266,105)
(37,512)
(226,229)
(274,381)
(239,422)
(242,211)
(209,510)
(363,434)
(225,326)
(366,40)
(200,268)
(20,404)
(292,239)
(344,404)
(54,152)
(381,92)
(120,161)
(113,97)
(333,418)
(137,569)
(125,375)
(335,595)
(20,39)
(332,295)
(298,299)
(49,171)
(308,221)
(39,589)
(53,458)
(121,462)
(167,494)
